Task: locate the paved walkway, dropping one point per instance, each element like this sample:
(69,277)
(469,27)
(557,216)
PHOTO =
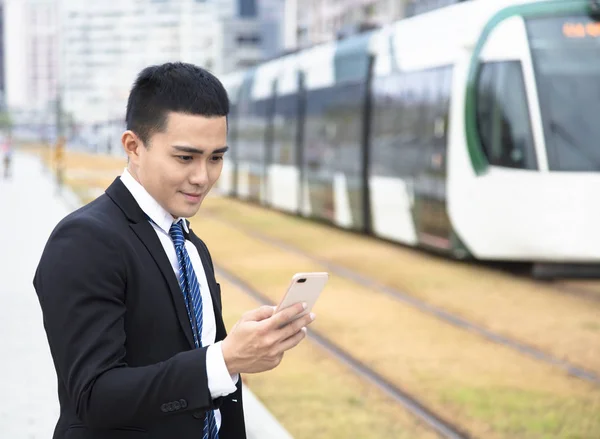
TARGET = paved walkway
(29,210)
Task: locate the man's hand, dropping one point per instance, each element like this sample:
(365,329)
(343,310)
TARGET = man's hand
(259,339)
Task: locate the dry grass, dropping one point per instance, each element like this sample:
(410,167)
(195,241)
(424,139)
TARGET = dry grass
(313,396)
(78,160)
(563,325)
(482,386)
(85,173)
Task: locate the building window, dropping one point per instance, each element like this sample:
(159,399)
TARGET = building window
(244,63)
(247,8)
(246,40)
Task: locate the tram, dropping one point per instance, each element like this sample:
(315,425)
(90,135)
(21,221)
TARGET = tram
(471,130)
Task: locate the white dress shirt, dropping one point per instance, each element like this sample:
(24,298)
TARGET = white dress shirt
(220,382)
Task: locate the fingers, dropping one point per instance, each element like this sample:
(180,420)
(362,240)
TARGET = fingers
(292,341)
(259,314)
(282,317)
(292,328)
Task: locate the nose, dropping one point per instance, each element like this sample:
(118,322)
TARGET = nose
(199,175)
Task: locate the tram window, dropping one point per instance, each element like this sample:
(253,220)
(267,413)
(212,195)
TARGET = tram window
(566,61)
(387,114)
(252,124)
(410,114)
(285,123)
(440,122)
(503,116)
(333,128)
(394,125)
(429,96)
(414,84)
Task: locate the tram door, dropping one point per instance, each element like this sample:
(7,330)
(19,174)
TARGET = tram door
(430,211)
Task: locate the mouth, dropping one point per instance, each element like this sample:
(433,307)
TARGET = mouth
(194,198)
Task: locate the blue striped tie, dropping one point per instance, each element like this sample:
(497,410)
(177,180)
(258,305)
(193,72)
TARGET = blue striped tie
(193,303)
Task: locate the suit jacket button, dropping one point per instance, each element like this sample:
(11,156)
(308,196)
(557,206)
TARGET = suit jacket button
(163,408)
(198,414)
(183,403)
(176,405)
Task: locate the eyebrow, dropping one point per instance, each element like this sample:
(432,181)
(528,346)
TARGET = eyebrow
(192,150)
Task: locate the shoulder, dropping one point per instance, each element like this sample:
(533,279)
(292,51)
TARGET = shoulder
(91,227)
(81,254)
(84,241)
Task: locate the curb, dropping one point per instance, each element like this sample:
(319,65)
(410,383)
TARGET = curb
(260,422)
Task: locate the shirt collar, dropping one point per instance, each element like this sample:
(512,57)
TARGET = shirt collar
(149,205)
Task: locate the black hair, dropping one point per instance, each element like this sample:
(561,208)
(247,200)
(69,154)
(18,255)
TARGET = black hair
(172,87)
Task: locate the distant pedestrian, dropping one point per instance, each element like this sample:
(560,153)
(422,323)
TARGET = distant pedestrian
(7,151)
(59,161)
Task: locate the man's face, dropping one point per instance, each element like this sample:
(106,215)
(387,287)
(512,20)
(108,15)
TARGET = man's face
(179,166)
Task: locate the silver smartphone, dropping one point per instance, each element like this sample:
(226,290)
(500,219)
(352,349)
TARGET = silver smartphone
(304,287)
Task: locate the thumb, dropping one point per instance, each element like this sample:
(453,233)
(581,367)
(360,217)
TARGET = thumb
(259,314)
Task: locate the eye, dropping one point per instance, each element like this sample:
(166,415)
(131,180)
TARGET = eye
(184,158)
(217,158)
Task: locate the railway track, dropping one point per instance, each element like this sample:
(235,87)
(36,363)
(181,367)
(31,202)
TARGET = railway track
(425,307)
(442,427)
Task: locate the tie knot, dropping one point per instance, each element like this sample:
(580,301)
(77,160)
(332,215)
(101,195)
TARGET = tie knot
(176,233)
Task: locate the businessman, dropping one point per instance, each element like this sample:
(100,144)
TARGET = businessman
(131,306)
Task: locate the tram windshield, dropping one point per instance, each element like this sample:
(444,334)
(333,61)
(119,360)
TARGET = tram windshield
(566,59)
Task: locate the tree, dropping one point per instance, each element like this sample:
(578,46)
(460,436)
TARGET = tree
(6,122)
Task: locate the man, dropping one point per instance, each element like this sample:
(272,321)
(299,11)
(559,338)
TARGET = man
(131,306)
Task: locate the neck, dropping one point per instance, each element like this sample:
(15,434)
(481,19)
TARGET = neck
(135,176)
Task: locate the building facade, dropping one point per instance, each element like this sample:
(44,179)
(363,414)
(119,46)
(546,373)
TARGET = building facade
(310,22)
(416,7)
(30,64)
(2,71)
(31,61)
(105,45)
(272,19)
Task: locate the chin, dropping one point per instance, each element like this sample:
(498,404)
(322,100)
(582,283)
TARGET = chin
(187,212)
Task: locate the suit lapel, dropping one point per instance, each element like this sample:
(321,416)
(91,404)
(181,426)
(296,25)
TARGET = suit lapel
(147,235)
(145,232)
(215,292)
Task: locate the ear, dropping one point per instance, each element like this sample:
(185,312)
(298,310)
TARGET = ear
(131,144)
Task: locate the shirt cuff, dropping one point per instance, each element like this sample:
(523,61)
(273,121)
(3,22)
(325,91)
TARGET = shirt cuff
(220,382)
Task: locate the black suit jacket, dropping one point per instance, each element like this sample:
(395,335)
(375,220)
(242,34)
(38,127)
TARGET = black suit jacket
(118,330)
